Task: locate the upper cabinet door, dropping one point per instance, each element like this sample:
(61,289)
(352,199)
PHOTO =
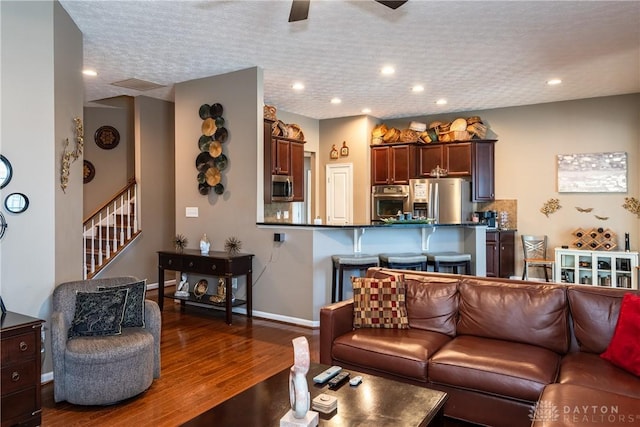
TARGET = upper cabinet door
(380,165)
(400,166)
(458,159)
(483,171)
(297,170)
(429,158)
(282,157)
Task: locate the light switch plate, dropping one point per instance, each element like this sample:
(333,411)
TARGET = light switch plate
(191,212)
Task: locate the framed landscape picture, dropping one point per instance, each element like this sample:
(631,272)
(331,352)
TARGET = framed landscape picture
(592,172)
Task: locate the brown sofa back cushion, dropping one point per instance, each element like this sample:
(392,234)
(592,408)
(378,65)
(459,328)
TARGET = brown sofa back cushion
(527,313)
(432,301)
(595,313)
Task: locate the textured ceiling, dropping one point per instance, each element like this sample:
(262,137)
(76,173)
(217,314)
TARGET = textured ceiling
(476,54)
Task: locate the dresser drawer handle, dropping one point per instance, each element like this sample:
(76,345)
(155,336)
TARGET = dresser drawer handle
(15,376)
(170,262)
(23,346)
(190,263)
(213,267)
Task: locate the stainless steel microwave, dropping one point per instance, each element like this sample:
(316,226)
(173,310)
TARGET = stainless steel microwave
(281,188)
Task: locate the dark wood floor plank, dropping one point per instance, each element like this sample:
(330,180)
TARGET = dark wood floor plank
(204,362)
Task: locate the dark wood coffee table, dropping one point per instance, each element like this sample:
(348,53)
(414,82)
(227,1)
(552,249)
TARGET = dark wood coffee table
(375,402)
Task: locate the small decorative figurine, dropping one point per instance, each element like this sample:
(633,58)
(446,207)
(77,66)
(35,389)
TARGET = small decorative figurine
(183,288)
(204,244)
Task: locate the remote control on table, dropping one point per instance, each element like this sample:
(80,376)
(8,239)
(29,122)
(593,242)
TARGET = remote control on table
(327,374)
(355,380)
(338,379)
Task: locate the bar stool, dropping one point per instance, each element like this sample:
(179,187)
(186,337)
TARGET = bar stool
(403,261)
(449,259)
(360,262)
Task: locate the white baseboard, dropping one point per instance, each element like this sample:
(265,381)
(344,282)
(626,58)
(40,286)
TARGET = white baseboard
(281,318)
(46,377)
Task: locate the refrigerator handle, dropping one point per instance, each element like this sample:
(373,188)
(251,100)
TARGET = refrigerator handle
(436,203)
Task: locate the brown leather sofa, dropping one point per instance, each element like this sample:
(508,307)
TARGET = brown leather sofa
(500,348)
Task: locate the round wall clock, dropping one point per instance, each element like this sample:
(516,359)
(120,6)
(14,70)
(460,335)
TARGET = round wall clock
(107,137)
(88,172)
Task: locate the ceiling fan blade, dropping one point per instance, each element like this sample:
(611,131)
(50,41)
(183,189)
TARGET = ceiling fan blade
(391,3)
(299,10)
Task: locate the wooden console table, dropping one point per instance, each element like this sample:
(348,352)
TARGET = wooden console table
(219,264)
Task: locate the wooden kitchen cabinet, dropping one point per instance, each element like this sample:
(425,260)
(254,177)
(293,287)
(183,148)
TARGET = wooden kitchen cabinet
(500,253)
(483,171)
(21,369)
(454,157)
(297,170)
(392,164)
(473,159)
(283,156)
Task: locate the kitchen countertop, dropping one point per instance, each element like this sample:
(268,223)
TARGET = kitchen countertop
(380,225)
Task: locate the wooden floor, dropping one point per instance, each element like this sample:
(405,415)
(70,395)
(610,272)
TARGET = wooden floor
(204,362)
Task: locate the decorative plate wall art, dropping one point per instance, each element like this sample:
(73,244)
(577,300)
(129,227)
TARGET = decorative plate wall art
(88,171)
(107,137)
(211,160)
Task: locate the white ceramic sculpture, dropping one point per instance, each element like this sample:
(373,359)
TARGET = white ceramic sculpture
(182,288)
(298,387)
(204,245)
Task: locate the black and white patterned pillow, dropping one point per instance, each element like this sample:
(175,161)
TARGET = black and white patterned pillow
(134,308)
(98,313)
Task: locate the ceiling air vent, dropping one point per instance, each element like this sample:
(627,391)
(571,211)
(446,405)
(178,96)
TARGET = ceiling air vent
(137,84)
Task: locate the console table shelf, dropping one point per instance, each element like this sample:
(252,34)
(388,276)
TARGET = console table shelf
(215,263)
(614,269)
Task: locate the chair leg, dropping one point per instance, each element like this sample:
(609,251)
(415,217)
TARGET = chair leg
(333,284)
(341,284)
(524,271)
(467,268)
(436,266)
(546,275)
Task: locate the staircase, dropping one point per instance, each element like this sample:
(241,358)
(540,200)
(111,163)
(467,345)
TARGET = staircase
(110,229)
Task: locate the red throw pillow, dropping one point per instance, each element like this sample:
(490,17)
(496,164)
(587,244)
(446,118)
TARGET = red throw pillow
(624,348)
(379,303)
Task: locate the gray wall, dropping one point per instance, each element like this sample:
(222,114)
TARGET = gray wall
(42,246)
(154,171)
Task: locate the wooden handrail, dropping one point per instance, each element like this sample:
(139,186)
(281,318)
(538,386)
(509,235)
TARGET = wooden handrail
(130,183)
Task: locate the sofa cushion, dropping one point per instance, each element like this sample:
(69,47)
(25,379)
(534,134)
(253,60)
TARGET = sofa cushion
(624,348)
(590,370)
(573,406)
(134,307)
(535,314)
(402,352)
(432,300)
(504,368)
(98,313)
(595,313)
(379,303)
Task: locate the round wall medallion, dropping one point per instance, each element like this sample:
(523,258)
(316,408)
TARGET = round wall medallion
(107,137)
(88,172)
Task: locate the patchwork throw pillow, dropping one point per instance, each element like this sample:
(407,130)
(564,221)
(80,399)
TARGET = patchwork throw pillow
(379,303)
(624,348)
(134,308)
(98,313)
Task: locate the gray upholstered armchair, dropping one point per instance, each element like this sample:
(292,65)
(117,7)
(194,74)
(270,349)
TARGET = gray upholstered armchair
(101,370)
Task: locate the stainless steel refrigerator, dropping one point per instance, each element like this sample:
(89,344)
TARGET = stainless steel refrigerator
(447,200)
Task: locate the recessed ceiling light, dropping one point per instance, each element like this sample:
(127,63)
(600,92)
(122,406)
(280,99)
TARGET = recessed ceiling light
(387,70)
(336,100)
(553,82)
(417,88)
(441,101)
(91,73)
(297,86)
(366,110)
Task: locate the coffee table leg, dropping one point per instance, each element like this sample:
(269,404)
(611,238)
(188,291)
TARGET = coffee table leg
(249,295)
(228,296)
(160,288)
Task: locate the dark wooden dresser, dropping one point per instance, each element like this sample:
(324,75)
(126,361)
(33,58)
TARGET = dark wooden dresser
(21,367)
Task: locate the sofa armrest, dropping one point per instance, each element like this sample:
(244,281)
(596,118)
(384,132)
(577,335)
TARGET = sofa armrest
(153,323)
(335,320)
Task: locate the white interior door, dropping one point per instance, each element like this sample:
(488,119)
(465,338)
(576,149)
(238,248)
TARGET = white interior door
(339,193)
